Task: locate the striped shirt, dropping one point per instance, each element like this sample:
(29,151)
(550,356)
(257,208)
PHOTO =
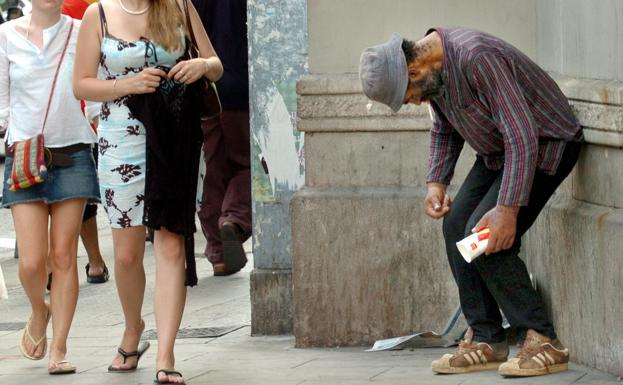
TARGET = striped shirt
(509,110)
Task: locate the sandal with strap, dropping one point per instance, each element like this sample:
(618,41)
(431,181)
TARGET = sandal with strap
(138,354)
(168,373)
(42,340)
(61,367)
(102,278)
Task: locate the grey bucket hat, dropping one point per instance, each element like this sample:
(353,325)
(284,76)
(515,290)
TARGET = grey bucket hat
(383,73)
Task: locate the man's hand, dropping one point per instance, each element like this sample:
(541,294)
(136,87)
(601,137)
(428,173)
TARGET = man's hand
(437,202)
(502,222)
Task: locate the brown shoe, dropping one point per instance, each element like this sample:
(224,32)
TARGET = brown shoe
(219,269)
(538,356)
(471,357)
(234,256)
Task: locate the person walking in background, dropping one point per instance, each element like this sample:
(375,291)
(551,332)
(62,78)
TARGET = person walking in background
(14,13)
(485,92)
(96,270)
(138,47)
(225,211)
(47,216)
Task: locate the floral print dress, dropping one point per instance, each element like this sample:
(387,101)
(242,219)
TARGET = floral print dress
(121,137)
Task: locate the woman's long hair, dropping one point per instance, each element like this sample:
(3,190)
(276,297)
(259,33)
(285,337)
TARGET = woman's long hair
(165,19)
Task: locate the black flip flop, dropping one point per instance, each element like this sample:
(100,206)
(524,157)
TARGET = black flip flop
(168,373)
(97,278)
(138,354)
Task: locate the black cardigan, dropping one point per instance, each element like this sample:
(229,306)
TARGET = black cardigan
(174,138)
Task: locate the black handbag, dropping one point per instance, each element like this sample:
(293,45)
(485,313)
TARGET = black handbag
(209,101)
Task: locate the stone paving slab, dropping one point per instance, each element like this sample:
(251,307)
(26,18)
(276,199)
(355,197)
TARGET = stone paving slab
(236,358)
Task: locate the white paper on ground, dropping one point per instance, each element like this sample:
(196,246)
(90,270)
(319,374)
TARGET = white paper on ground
(7,243)
(4,294)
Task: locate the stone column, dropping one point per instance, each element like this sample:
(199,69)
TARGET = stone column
(367,262)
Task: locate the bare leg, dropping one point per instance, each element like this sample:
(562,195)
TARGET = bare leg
(130,278)
(31,229)
(170,297)
(66,219)
(91,244)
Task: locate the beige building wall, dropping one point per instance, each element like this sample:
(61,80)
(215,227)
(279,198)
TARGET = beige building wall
(581,38)
(366,168)
(340,30)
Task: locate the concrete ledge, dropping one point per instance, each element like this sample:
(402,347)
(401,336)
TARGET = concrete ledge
(365,124)
(590,90)
(328,84)
(599,176)
(574,250)
(336,103)
(603,124)
(271,302)
(360,159)
(368,264)
(352,105)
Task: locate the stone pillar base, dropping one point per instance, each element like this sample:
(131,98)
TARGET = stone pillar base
(271,302)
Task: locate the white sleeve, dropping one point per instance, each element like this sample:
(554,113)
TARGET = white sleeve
(4,84)
(92,110)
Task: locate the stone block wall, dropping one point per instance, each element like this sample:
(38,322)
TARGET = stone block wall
(368,263)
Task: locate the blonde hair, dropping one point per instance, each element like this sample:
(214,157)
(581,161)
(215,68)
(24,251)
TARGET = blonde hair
(165,19)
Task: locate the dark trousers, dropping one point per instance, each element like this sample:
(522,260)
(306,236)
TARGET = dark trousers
(227,183)
(500,280)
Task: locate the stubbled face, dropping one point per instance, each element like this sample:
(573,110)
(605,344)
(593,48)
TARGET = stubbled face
(424,85)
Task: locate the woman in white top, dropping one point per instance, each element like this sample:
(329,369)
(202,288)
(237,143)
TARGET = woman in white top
(30,50)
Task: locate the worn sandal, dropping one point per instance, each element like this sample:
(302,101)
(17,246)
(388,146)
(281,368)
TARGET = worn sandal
(138,354)
(42,340)
(62,367)
(102,278)
(168,373)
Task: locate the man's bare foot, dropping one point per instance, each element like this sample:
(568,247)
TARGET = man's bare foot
(96,268)
(96,271)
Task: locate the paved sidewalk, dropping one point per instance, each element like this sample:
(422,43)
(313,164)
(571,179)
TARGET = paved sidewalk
(234,358)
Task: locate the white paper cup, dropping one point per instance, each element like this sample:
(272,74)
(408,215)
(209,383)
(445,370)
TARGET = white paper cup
(4,294)
(474,245)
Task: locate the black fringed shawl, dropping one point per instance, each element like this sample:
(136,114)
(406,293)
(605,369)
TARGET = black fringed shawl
(174,138)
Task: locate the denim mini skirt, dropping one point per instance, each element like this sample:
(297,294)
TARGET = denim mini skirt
(76,181)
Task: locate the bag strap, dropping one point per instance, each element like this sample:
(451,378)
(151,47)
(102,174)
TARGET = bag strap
(193,40)
(103,22)
(58,68)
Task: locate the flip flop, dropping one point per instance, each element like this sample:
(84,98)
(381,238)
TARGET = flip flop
(102,278)
(168,373)
(61,367)
(42,340)
(138,354)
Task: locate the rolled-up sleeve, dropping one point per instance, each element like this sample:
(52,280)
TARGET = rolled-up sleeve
(92,110)
(445,147)
(494,78)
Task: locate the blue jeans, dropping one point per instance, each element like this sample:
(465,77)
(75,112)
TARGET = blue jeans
(76,181)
